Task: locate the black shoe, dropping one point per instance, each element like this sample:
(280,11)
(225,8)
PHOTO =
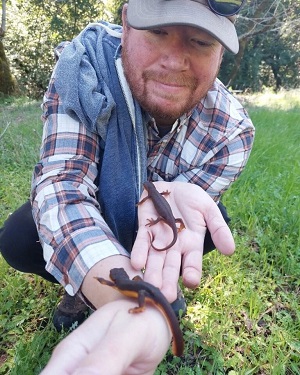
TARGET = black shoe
(179,305)
(70,313)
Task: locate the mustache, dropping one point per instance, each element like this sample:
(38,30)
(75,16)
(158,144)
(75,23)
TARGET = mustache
(171,78)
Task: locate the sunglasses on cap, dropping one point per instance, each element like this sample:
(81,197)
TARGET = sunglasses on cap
(225,7)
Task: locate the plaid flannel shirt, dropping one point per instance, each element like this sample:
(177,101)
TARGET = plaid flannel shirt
(208,146)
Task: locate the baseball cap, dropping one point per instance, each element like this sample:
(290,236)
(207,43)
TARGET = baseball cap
(148,14)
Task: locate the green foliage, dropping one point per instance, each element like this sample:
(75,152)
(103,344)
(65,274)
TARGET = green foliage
(265,65)
(268,29)
(270,47)
(115,8)
(244,318)
(35,28)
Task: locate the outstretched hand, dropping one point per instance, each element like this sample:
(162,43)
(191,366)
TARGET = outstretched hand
(112,341)
(199,213)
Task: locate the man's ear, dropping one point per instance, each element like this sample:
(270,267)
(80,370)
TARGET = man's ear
(124,21)
(124,16)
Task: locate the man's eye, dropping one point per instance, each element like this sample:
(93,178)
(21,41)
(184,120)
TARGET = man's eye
(201,43)
(156,31)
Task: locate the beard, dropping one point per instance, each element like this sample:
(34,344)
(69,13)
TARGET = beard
(180,104)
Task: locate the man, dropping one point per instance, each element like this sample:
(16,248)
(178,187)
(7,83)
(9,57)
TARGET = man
(123,106)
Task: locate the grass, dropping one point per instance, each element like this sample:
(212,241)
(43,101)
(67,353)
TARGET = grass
(244,317)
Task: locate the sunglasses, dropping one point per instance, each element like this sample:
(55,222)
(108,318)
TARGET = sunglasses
(225,7)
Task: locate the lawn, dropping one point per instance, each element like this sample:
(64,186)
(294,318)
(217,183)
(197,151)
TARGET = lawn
(244,317)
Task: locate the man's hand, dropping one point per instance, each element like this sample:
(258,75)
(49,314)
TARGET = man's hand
(199,213)
(113,341)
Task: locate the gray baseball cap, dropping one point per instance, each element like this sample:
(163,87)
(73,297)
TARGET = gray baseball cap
(148,14)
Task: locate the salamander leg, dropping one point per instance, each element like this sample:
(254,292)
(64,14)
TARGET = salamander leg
(153,221)
(141,301)
(181,224)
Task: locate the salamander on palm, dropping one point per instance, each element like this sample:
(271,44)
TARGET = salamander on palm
(164,211)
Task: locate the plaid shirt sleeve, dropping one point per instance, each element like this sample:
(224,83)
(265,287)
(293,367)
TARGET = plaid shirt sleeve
(72,231)
(210,147)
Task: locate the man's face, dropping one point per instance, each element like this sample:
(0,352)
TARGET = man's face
(169,69)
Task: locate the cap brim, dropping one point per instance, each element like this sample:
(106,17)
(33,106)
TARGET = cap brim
(146,14)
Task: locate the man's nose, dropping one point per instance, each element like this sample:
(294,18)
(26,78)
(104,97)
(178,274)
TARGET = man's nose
(176,55)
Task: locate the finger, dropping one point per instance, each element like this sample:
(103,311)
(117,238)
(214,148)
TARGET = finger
(192,266)
(140,249)
(170,274)
(199,199)
(154,267)
(136,352)
(192,258)
(64,358)
(220,232)
(73,349)
(102,360)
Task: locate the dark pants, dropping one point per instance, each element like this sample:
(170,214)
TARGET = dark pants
(20,246)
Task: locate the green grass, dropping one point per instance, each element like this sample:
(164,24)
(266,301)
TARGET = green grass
(244,317)
(20,137)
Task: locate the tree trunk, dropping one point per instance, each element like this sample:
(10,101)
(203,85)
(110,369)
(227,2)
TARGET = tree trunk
(237,62)
(7,83)
(276,73)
